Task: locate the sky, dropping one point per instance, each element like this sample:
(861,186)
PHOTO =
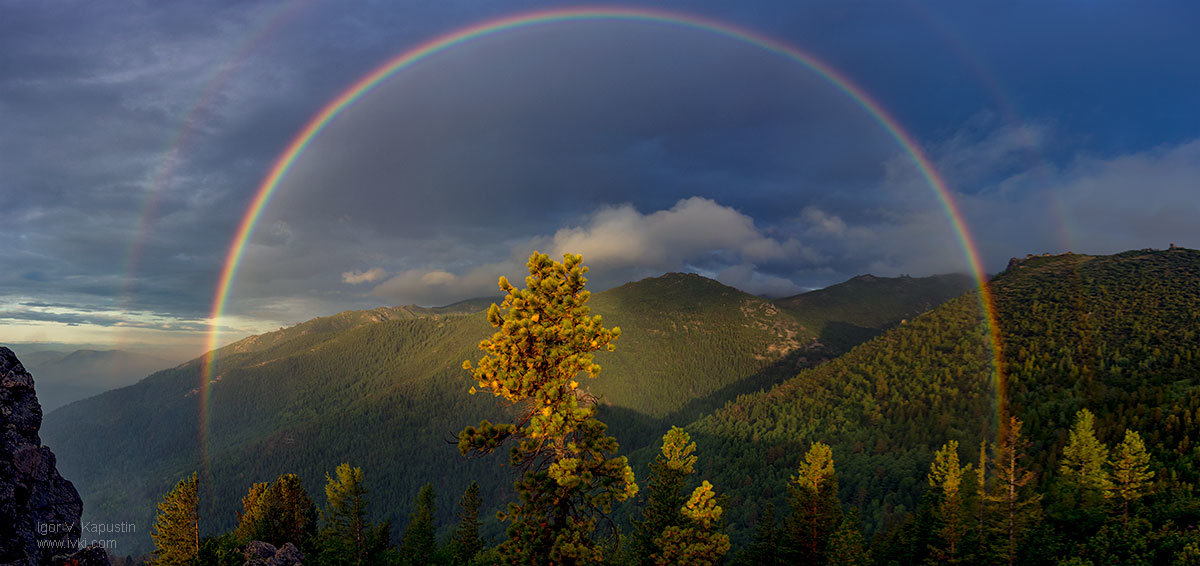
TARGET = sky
(136,135)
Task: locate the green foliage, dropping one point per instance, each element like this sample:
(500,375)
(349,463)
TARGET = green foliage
(382,386)
(857,310)
(946,479)
(698,541)
(222,550)
(846,545)
(665,496)
(348,537)
(176,530)
(278,513)
(1014,510)
(546,339)
(1115,334)
(763,549)
(466,542)
(419,546)
(815,510)
(1131,472)
(1084,462)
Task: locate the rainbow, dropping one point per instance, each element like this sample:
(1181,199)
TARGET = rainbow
(448,41)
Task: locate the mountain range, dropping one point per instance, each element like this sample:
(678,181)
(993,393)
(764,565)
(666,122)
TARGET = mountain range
(64,377)
(384,390)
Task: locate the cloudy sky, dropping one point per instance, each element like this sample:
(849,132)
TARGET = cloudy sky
(135,135)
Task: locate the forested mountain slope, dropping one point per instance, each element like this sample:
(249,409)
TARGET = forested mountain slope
(384,389)
(851,312)
(1118,335)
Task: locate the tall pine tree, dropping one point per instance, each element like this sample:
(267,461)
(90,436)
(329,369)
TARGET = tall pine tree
(571,475)
(466,543)
(846,545)
(699,541)
(764,547)
(177,527)
(815,510)
(1131,472)
(664,497)
(946,478)
(348,538)
(1083,463)
(981,505)
(1015,509)
(278,513)
(419,546)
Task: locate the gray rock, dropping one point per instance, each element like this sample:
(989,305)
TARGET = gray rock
(289,555)
(260,553)
(36,504)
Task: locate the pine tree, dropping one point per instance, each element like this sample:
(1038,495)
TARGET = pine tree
(466,543)
(1131,472)
(177,527)
(945,478)
(981,507)
(278,513)
(665,497)
(420,543)
(571,476)
(344,539)
(846,545)
(1016,510)
(698,542)
(764,548)
(1083,462)
(815,511)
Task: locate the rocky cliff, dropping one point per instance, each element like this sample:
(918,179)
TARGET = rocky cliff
(39,510)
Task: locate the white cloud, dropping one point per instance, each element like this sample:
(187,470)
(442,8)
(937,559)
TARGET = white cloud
(821,223)
(1092,204)
(619,244)
(622,237)
(369,276)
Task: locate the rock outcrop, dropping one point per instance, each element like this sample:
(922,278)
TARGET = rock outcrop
(39,510)
(260,553)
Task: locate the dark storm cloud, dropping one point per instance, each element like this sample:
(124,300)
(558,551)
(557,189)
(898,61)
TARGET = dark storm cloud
(135,135)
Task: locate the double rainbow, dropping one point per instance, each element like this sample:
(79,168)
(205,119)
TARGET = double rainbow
(448,41)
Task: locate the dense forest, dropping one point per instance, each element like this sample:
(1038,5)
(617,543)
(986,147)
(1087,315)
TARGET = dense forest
(895,453)
(384,386)
(930,467)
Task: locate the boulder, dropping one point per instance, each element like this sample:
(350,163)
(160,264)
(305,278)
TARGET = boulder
(260,553)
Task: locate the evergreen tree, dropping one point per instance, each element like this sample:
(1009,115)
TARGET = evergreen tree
(665,497)
(345,536)
(571,476)
(278,513)
(466,543)
(177,528)
(946,478)
(846,545)
(221,550)
(815,511)
(981,506)
(420,543)
(1131,472)
(1015,509)
(1083,463)
(764,548)
(699,541)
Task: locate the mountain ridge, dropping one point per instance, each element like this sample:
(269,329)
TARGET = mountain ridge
(386,385)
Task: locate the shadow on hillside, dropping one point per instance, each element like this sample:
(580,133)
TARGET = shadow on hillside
(842,336)
(635,430)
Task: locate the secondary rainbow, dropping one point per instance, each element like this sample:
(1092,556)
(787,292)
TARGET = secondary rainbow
(314,127)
